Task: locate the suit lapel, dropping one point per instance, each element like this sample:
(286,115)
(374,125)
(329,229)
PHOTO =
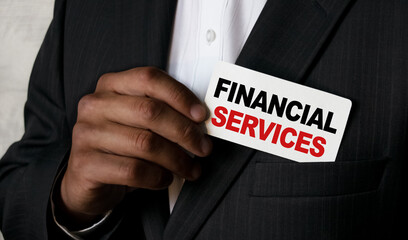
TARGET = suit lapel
(153,21)
(284,42)
(154,213)
(289,35)
(197,199)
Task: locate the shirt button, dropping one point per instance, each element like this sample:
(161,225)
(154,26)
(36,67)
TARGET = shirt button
(210,36)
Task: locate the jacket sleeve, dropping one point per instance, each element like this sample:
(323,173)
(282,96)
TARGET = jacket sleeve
(28,168)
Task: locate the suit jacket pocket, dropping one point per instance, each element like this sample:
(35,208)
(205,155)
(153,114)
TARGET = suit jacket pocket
(291,179)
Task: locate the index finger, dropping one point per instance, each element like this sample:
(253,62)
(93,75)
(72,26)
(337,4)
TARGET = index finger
(154,83)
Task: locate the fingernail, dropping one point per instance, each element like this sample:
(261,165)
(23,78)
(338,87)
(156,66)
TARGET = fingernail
(198,112)
(206,145)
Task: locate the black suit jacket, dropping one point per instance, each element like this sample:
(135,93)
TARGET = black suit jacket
(357,49)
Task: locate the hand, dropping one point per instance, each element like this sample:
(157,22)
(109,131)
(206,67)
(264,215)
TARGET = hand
(132,132)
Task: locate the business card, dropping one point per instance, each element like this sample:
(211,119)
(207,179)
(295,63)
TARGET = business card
(274,115)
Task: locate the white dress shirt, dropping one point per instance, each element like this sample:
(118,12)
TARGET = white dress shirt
(205,32)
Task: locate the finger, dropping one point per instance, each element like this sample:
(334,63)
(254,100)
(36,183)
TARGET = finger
(149,114)
(154,83)
(139,143)
(119,170)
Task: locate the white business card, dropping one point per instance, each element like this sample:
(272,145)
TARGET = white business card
(274,115)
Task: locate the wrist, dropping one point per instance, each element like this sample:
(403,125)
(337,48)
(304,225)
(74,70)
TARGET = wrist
(68,216)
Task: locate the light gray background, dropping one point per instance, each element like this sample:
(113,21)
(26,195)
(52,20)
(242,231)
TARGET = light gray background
(23,24)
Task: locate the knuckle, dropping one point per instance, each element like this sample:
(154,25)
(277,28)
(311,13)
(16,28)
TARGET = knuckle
(131,171)
(178,167)
(189,131)
(144,141)
(79,160)
(104,81)
(160,179)
(144,175)
(150,109)
(80,133)
(178,94)
(147,73)
(86,105)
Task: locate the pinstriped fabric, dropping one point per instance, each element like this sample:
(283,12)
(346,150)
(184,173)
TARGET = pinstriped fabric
(28,168)
(289,217)
(298,31)
(365,60)
(113,36)
(359,53)
(76,51)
